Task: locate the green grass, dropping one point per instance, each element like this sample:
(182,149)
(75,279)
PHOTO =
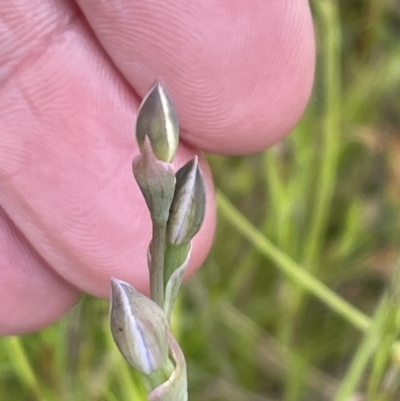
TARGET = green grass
(299,298)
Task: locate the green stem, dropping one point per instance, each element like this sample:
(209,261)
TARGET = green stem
(290,268)
(22,365)
(296,273)
(157,250)
(325,179)
(374,334)
(328,11)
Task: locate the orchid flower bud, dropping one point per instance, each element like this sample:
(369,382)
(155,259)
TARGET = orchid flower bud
(139,327)
(188,206)
(156,180)
(157,120)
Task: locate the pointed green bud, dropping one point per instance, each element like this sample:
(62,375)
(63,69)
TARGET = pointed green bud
(175,388)
(139,327)
(157,120)
(156,180)
(189,204)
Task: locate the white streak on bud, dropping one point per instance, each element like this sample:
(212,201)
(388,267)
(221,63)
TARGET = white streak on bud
(157,119)
(188,206)
(139,327)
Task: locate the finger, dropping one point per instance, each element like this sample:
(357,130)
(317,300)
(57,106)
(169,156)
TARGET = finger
(240,72)
(67,119)
(32,294)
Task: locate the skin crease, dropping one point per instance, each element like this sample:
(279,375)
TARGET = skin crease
(71,79)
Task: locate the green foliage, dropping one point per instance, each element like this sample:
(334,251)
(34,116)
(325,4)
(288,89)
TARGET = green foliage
(299,299)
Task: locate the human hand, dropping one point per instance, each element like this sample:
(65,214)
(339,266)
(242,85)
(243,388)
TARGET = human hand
(71,80)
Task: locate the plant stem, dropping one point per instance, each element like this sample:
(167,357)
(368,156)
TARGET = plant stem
(22,365)
(372,337)
(157,250)
(296,273)
(290,268)
(329,14)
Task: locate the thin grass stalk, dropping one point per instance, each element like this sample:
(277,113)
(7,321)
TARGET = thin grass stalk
(328,12)
(354,374)
(272,356)
(286,183)
(277,196)
(289,267)
(22,366)
(295,272)
(324,185)
(390,331)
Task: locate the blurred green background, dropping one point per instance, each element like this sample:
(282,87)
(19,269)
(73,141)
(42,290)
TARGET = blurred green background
(299,298)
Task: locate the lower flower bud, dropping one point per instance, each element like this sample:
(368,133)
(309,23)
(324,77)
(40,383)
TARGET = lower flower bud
(139,327)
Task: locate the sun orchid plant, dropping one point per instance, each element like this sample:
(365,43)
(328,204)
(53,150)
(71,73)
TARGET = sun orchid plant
(176,201)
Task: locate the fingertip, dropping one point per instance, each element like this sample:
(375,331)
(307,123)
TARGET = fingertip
(240,73)
(32,295)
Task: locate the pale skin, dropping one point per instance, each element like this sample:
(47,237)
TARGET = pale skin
(71,79)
